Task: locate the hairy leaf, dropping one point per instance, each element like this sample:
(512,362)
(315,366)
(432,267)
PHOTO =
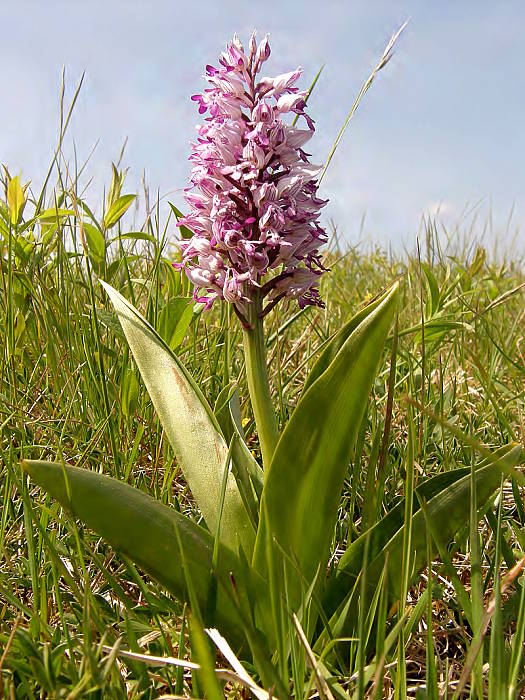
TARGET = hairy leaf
(153,535)
(189,424)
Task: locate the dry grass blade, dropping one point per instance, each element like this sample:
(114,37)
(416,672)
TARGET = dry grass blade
(153,660)
(240,673)
(320,681)
(475,647)
(503,297)
(239,676)
(7,646)
(385,58)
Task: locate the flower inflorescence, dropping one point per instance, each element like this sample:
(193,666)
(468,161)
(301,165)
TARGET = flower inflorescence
(254,209)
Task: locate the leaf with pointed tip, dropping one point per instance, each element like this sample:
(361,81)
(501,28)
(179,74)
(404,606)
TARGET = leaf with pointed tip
(16,199)
(53,215)
(190,426)
(175,319)
(184,230)
(95,243)
(145,530)
(117,209)
(336,342)
(302,490)
(446,496)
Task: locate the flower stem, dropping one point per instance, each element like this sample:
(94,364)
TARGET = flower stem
(258,384)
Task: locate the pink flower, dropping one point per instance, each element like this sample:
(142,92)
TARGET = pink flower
(254,209)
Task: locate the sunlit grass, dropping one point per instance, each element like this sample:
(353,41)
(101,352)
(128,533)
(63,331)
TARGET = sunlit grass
(77,619)
(67,597)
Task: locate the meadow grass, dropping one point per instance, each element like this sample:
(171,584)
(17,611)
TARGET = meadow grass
(77,619)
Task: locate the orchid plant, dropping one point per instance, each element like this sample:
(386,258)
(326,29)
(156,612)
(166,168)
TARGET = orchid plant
(254,206)
(252,238)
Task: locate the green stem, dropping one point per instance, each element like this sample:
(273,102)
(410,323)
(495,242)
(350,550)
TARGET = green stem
(258,384)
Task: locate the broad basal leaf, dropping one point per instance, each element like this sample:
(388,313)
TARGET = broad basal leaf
(145,530)
(303,488)
(448,497)
(189,424)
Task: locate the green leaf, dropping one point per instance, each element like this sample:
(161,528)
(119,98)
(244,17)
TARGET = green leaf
(117,180)
(201,652)
(175,319)
(447,511)
(336,342)
(436,327)
(4,213)
(498,663)
(302,491)
(110,320)
(433,288)
(54,215)
(117,210)
(15,199)
(129,392)
(145,530)
(184,230)
(95,242)
(246,470)
(189,424)
(478,261)
(135,236)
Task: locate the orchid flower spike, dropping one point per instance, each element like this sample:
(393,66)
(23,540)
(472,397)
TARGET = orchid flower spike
(254,209)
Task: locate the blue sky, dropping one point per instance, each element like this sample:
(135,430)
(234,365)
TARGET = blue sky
(442,128)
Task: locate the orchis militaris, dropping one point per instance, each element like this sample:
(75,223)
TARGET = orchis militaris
(264,550)
(254,210)
(253,198)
